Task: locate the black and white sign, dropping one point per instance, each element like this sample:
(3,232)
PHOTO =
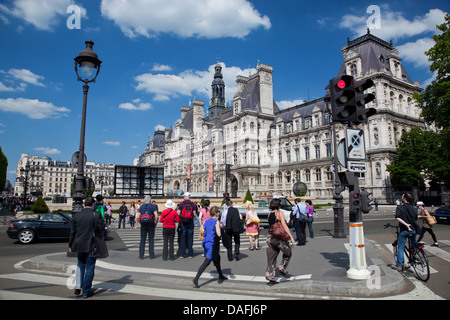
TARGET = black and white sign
(355,144)
(357,166)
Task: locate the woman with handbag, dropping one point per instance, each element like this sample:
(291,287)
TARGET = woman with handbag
(428,221)
(252,225)
(278,239)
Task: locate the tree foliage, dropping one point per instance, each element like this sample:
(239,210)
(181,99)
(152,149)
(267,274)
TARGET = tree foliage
(39,206)
(419,157)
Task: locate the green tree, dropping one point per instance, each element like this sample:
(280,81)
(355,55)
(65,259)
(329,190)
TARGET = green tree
(419,157)
(248,197)
(435,99)
(39,206)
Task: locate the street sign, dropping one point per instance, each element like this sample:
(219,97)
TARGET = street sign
(357,166)
(356,149)
(342,154)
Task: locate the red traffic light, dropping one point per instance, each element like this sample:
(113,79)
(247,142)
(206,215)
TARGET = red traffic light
(344,82)
(355,195)
(341,84)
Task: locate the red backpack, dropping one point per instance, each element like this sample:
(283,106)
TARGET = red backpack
(187,213)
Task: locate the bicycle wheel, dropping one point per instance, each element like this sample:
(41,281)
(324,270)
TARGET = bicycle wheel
(420,265)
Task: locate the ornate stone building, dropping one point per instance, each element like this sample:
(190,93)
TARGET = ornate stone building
(270,149)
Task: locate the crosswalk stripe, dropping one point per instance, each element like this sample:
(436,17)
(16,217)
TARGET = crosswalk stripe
(130,289)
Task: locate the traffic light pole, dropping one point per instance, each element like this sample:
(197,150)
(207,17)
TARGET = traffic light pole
(338,208)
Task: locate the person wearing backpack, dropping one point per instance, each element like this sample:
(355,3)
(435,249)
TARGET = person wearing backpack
(186,211)
(147,217)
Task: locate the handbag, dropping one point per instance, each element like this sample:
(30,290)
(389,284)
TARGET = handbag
(431,220)
(278,232)
(98,250)
(202,233)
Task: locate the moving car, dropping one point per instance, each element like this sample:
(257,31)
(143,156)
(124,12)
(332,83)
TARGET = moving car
(442,214)
(47,226)
(262,208)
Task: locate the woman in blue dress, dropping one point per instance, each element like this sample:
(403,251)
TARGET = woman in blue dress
(211,244)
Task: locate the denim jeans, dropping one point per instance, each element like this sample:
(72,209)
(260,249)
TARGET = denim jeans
(86,268)
(187,239)
(147,230)
(401,245)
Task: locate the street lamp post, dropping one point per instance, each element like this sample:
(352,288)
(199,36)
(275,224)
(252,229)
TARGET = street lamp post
(24,173)
(87,60)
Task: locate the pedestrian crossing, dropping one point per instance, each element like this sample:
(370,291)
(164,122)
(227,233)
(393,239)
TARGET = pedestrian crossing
(132,237)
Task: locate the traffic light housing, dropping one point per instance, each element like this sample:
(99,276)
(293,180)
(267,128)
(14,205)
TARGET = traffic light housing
(342,99)
(361,99)
(365,201)
(354,206)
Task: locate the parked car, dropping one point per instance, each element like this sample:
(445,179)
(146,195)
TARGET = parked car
(47,226)
(442,214)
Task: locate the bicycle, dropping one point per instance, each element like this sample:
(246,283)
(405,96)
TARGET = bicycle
(417,258)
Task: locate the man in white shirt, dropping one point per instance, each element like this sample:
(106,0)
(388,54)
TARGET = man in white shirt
(300,221)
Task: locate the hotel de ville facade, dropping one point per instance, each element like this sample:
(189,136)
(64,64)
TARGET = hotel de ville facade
(267,150)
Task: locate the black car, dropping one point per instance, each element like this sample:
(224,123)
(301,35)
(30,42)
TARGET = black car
(442,214)
(48,226)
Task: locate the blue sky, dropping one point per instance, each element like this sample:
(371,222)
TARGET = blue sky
(158,55)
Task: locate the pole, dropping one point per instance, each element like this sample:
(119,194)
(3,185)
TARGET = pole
(79,196)
(338,208)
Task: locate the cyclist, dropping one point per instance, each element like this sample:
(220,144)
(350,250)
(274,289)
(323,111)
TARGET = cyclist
(406,215)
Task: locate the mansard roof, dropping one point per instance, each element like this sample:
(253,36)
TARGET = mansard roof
(250,96)
(304,110)
(374,53)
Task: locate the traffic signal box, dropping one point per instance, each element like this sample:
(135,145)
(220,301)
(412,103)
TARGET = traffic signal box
(361,99)
(354,206)
(348,99)
(342,98)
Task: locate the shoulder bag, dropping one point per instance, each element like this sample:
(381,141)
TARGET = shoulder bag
(277,230)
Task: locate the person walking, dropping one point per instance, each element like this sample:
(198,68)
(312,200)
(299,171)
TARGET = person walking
(310,217)
(84,225)
(204,212)
(233,231)
(187,209)
(108,215)
(169,218)
(123,210)
(252,226)
(211,245)
(274,245)
(147,217)
(300,221)
(426,227)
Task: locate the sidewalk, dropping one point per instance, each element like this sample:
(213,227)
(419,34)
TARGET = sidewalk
(317,269)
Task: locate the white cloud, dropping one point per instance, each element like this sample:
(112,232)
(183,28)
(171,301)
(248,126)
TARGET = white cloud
(189,82)
(185,18)
(32,108)
(284,104)
(393,25)
(43,14)
(46,150)
(161,67)
(137,105)
(414,52)
(27,76)
(112,143)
